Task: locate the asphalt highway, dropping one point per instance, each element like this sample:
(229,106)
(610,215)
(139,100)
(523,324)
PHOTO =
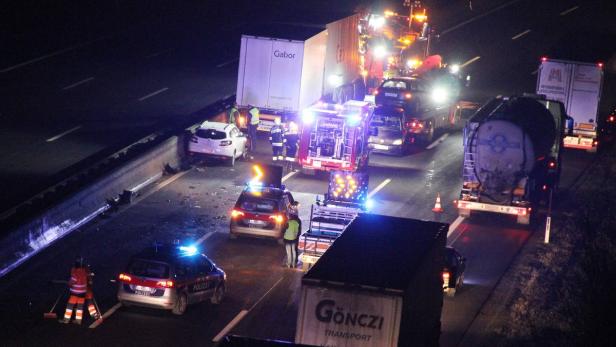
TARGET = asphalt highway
(193,206)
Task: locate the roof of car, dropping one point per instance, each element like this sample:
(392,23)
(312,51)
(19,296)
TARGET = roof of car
(378,251)
(164,253)
(214,125)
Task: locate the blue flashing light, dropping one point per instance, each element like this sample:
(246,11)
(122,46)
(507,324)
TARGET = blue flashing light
(369,204)
(353,119)
(188,250)
(307,116)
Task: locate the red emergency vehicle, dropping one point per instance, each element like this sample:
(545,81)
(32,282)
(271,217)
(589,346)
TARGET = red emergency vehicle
(334,136)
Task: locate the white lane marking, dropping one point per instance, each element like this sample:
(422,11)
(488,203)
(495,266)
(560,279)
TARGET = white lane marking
(52,54)
(453,226)
(156,54)
(230,326)
(566,12)
(289,175)
(241,315)
(51,139)
(153,93)
(227,62)
(470,61)
(379,187)
(525,32)
(450,243)
(106,315)
(78,83)
(438,141)
(478,17)
(171,179)
(534,72)
(204,237)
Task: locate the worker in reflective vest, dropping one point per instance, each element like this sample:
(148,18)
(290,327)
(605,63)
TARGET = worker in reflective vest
(234,115)
(290,238)
(291,140)
(78,287)
(277,140)
(90,297)
(252,126)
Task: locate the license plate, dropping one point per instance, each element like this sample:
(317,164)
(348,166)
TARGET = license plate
(395,95)
(377,146)
(141,292)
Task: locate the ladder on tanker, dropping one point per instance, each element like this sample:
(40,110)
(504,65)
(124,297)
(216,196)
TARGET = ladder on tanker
(470,151)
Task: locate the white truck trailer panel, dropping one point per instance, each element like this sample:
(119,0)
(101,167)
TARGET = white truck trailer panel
(339,318)
(578,87)
(280,75)
(342,59)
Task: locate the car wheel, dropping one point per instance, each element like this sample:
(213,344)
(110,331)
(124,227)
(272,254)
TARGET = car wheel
(232,162)
(461,282)
(219,294)
(451,292)
(180,305)
(245,152)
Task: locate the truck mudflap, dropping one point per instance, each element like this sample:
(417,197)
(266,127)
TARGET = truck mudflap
(522,213)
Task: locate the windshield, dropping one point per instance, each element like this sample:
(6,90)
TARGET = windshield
(395,84)
(385,121)
(147,268)
(252,203)
(211,134)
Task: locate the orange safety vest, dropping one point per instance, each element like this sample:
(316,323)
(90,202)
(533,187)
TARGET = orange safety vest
(79,281)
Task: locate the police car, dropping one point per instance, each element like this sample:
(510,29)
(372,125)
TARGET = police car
(171,278)
(263,206)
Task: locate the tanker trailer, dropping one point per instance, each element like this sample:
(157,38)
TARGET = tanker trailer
(509,158)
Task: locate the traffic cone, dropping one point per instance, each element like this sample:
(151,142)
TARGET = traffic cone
(437,206)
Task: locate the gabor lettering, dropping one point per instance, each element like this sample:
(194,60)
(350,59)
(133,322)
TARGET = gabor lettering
(283,54)
(327,312)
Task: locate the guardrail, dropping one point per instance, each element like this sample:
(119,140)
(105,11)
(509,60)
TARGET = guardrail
(68,205)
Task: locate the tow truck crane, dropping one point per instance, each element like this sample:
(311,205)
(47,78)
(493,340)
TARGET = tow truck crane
(346,197)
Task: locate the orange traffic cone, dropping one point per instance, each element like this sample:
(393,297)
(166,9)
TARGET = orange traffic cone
(437,206)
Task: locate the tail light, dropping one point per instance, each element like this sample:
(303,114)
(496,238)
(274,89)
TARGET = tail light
(236,213)
(415,124)
(124,278)
(595,143)
(241,120)
(552,164)
(446,276)
(226,142)
(278,218)
(408,95)
(545,187)
(194,139)
(376,92)
(522,212)
(165,284)
(611,119)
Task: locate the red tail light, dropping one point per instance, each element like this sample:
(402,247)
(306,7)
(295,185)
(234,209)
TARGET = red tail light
(611,119)
(236,213)
(545,187)
(446,276)
(376,92)
(552,164)
(544,58)
(408,95)
(278,218)
(194,139)
(600,65)
(165,284)
(124,278)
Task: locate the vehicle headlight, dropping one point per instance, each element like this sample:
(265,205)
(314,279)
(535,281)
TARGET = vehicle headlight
(397,142)
(439,95)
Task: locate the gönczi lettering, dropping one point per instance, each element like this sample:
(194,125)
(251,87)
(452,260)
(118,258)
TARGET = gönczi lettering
(327,312)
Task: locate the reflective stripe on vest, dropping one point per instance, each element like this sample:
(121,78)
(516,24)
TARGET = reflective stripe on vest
(292,230)
(254,116)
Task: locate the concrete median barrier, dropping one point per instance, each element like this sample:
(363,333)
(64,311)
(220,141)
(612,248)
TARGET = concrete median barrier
(59,220)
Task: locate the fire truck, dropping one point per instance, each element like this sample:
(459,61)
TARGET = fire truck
(334,136)
(346,197)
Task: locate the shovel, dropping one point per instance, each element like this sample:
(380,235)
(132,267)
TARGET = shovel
(51,314)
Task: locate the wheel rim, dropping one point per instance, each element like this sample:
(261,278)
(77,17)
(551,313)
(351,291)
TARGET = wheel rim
(182,304)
